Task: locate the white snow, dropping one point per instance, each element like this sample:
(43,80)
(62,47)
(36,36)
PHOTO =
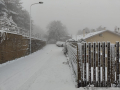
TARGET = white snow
(43,70)
(2,2)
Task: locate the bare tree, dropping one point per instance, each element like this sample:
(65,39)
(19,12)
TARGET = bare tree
(87,30)
(100,28)
(116,29)
(92,30)
(79,32)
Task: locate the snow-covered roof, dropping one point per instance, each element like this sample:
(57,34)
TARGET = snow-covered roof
(92,34)
(89,34)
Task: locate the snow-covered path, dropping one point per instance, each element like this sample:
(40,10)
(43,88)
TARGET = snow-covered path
(43,70)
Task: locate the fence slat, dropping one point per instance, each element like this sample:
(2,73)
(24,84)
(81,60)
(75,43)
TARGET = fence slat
(108,65)
(85,79)
(112,64)
(94,63)
(103,58)
(89,48)
(117,63)
(99,58)
(80,62)
(78,68)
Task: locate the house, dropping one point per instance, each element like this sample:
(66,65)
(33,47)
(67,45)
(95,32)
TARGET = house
(100,36)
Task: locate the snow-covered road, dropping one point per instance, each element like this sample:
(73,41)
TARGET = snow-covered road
(43,70)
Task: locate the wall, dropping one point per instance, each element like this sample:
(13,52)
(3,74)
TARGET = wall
(15,46)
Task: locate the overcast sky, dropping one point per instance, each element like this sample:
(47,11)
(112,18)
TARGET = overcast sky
(76,14)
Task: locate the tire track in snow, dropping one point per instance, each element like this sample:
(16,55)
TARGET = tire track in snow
(17,74)
(31,80)
(22,70)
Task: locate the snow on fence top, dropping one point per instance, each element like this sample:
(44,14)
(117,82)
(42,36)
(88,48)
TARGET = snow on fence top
(4,32)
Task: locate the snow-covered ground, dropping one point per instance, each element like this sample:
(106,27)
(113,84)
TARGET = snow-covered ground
(43,70)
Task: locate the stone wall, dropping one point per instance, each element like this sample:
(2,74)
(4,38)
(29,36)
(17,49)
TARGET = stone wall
(14,46)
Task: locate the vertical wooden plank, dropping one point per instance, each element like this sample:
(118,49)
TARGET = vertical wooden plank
(112,64)
(78,68)
(113,53)
(85,79)
(87,67)
(80,63)
(89,61)
(97,65)
(108,65)
(117,63)
(99,53)
(94,63)
(83,65)
(103,58)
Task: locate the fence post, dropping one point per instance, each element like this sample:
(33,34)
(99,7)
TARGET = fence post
(108,65)
(85,64)
(97,65)
(117,63)
(99,59)
(80,54)
(94,64)
(78,69)
(89,62)
(112,64)
(103,58)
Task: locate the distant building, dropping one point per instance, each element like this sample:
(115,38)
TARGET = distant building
(100,36)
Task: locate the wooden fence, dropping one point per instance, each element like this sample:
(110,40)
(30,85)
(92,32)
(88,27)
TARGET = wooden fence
(95,64)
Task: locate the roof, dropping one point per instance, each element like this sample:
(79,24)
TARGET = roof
(93,34)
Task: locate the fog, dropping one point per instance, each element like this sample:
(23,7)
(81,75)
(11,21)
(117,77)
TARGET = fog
(76,14)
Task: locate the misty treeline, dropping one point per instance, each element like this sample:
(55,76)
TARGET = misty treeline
(56,31)
(14,9)
(87,30)
(13,16)
(117,30)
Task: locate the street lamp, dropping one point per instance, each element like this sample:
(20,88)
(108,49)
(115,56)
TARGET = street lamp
(31,23)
